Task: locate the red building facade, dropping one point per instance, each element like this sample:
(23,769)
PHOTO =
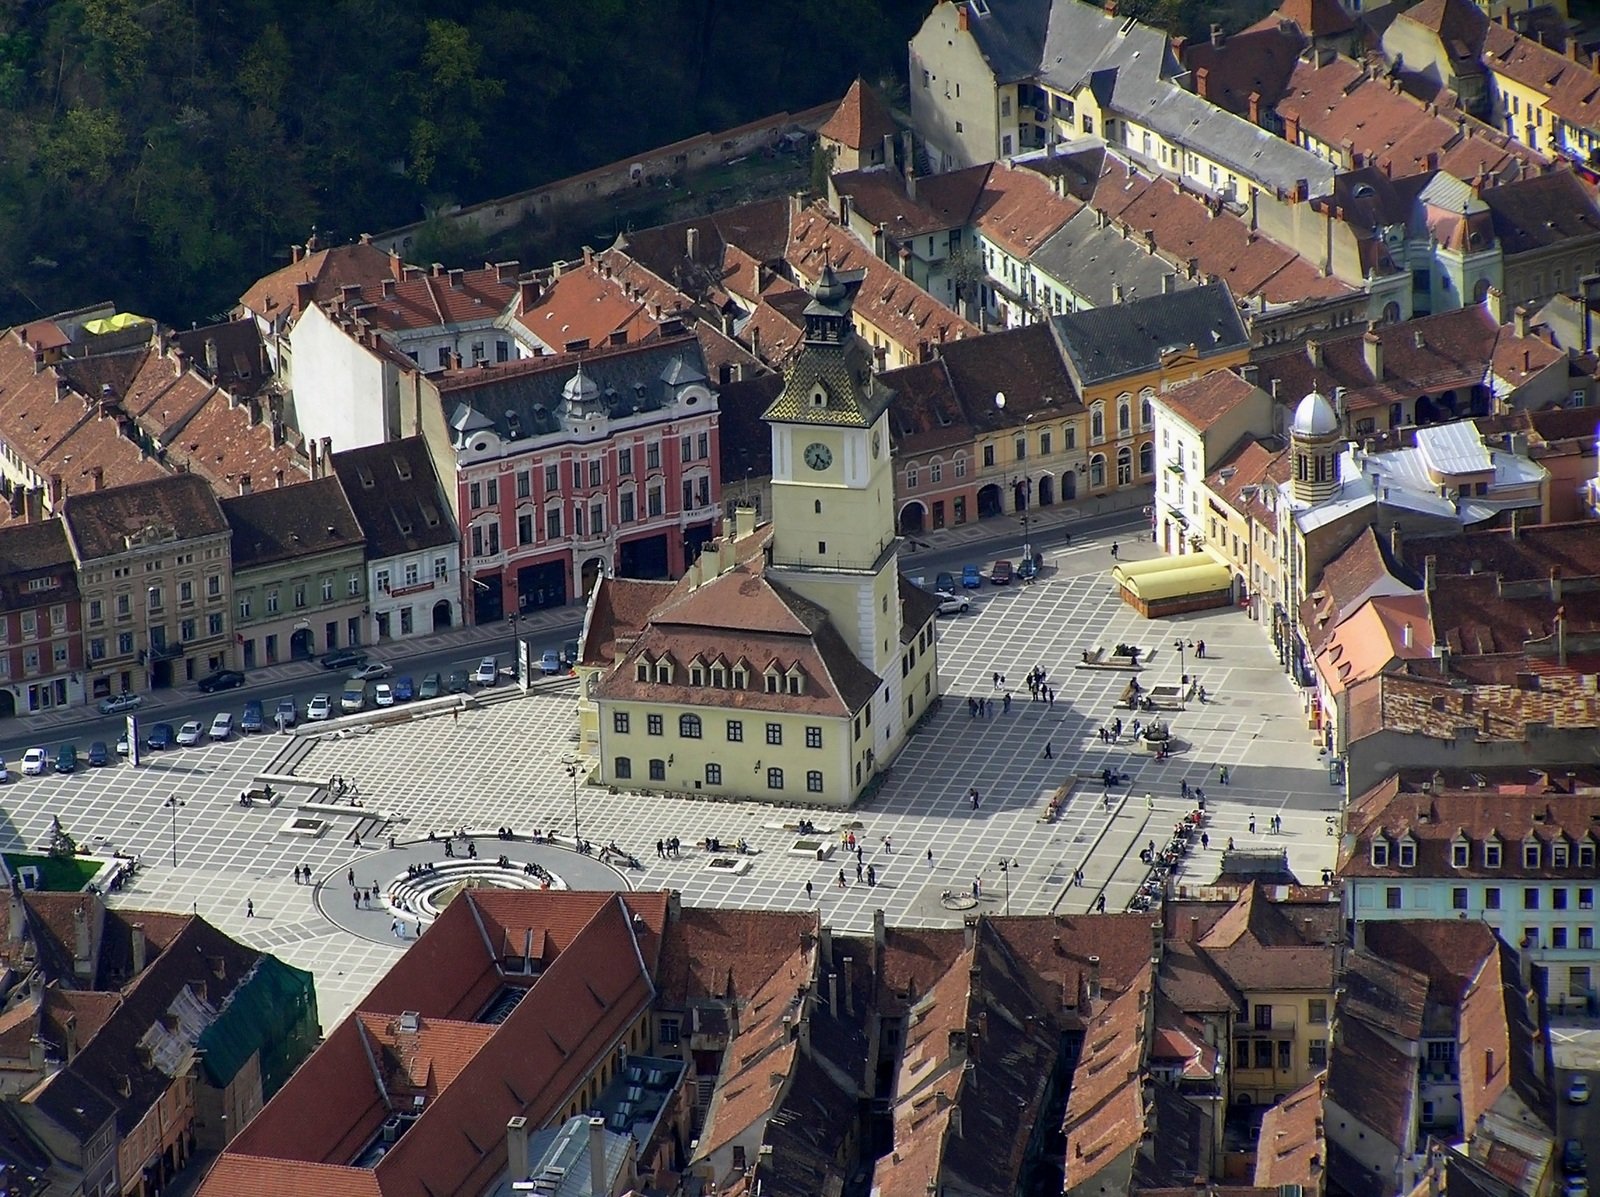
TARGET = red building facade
(41,621)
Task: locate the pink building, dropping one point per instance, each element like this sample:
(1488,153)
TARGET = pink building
(570,467)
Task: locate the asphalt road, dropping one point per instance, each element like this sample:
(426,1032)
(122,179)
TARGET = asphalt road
(1004,540)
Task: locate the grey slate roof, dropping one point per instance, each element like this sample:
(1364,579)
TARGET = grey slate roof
(528,398)
(395,493)
(284,522)
(1011,36)
(1089,259)
(1114,342)
(1084,40)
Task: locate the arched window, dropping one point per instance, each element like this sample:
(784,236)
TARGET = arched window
(689,727)
(1391,313)
(1097,470)
(1124,416)
(1124,466)
(1147,412)
(1480,290)
(1147,458)
(1097,423)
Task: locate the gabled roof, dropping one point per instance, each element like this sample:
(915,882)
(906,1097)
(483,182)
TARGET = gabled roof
(275,297)
(1100,262)
(1025,364)
(1203,401)
(586,304)
(1105,1114)
(438,299)
(1018,210)
(282,523)
(926,416)
(1106,344)
(1256,61)
(881,197)
(1010,34)
(861,120)
(1371,1079)
(395,494)
(99,522)
(1367,640)
(1571,86)
(1541,211)
(1291,1149)
(29,551)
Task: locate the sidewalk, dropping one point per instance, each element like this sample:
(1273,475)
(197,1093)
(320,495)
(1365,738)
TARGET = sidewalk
(1045,524)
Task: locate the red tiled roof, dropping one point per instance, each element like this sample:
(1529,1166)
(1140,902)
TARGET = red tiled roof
(1291,1149)
(1573,88)
(584,304)
(1449,953)
(925,416)
(860,121)
(1317,18)
(275,297)
(1367,640)
(1342,103)
(1207,399)
(1372,1080)
(1018,209)
(1105,1114)
(1182,226)
(887,299)
(1255,61)
(435,299)
(1251,462)
(712,952)
(942,201)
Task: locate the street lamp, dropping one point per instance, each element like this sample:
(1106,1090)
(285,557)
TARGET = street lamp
(172,804)
(1005,872)
(572,772)
(1183,674)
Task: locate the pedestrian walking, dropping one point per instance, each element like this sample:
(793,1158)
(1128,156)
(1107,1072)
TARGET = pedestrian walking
(872,875)
(350,876)
(1049,752)
(1100,904)
(1252,824)
(858,870)
(1005,705)
(1113,550)
(1052,692)
(808,891)
(888,846)
(249,908)
(842,882)
(1183,787)
(930,858)
(1136,726)
(1205,840)
(1230,843)
(1222,774)
(977,887)
(972,707)
(1149,801)
(996,679)
(975,799)
(1200,649)
(455,714)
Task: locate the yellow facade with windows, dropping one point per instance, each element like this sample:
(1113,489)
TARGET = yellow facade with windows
(1280,1041)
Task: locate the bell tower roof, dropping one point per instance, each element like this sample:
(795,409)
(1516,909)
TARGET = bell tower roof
(831,379)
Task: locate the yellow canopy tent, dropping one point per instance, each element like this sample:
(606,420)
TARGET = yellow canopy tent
(110,324)
(1201,576)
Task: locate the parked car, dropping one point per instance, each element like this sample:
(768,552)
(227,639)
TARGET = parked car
(190,733)
(254,718)
(286,713)
(404,689)
(67,758)
(319,708)
(376,669)
(122,744)
(970,577)
(1000,573)
(222,679)
(353,698)
(35,761)
(953,604)
(487,673)
(99,754)
(1578,1089)
(343,658)
(160,737)
(383,695)
(5,774)
(432,686)
(1574,1160)
(1028,568)
(222,726)
(1575,1186)
(569,654)
(458,682)
(118,703)
(549,662)
(944,583)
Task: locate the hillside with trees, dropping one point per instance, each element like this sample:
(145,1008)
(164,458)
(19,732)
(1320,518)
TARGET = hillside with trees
(164,153)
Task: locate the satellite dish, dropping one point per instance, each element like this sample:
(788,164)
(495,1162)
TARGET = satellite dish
(1000,400)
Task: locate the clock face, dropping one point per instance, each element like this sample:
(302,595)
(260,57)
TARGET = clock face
(818,456)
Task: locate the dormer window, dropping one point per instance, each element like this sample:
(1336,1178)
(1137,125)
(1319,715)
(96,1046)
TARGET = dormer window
(642,671)
(1380,853)
(1408,853)
(794,681)
(1558,854)
(741,679)
(772,683)
(664,671)
(1530,855)
(1460,853)
(1491,854)
(696,676)
(1586,854)
(719,676)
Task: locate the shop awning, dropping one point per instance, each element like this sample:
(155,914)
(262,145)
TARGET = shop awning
(1200,575)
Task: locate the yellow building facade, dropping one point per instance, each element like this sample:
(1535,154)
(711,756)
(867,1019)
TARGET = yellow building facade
(792,660)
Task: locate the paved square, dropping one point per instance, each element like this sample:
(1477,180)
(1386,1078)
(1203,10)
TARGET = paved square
(505,765)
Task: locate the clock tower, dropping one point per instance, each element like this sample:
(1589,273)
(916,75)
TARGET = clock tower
(833,537)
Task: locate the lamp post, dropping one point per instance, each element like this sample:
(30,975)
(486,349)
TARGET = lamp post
(1183,675)
(572,772)
(1005,872)
(172,804)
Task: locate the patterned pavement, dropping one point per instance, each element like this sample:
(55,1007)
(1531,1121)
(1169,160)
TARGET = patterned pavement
(505,764)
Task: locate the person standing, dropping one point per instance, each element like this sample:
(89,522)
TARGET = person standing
(808,891)
(1113,550)
(249,908)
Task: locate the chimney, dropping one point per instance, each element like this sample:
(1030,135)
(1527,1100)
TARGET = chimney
(691,243)
(1555,583)
(969,932)
(82,947)
(1430,565)
(505,273)
(849,963)
(1169,283)
(304,293)
(1561,636)
(1291,130)
(397,265)
(1396,540)
(211,356)
(458,279)
(833,993)
(296,252)
(1116,292)
(963,20)
(1157,940)
(1314,354)
(56,492)
(244,484)
(1094,978)
(1405,635)
(1372,351)
(1255,108)
(529,291)
(1519,321)
(140,948)
(97,477)
(888,150)
(1194,928)
(1216,36)
(1202,81)
(19,919)
(517,1148)
(847,207)
(599,1174)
